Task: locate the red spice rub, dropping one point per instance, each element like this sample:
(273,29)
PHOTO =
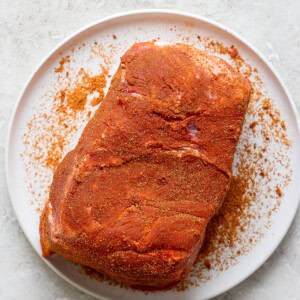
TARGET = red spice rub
(151,168)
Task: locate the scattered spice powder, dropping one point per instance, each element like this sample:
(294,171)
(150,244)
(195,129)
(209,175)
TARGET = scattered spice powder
(76,97)
(49,131)
(62,62)
(68,102)
(245,214)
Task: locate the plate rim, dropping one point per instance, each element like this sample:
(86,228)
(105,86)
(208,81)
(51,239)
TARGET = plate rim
(129,13)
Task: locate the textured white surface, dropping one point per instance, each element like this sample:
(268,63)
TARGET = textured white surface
(30,29)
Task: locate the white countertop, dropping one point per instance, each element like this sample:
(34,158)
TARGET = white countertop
(30,29)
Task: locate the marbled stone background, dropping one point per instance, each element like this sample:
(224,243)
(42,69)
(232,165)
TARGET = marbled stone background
(30,29)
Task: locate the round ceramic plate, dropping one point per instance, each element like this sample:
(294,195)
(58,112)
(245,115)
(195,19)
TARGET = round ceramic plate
(129,28)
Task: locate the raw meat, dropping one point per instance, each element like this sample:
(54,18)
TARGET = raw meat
(151,168)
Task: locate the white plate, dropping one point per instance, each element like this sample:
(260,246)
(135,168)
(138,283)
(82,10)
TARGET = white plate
(142,26)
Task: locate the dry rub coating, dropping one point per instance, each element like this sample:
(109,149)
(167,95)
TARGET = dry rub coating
(151,168)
